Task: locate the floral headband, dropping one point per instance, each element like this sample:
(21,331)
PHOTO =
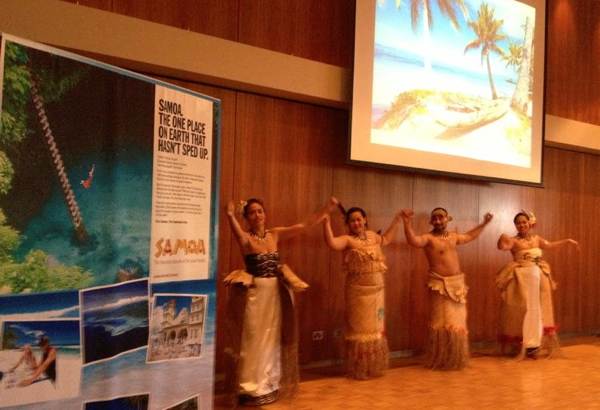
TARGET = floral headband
(239,208)
(532,218)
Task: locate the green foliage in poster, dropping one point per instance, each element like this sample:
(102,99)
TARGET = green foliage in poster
(38,272)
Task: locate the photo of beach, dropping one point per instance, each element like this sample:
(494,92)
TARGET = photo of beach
(114,319)
(461,85)
(40,360)
(177,324)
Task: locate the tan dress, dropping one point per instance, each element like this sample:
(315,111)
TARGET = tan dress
(447,346)
(526,310)
(365,341)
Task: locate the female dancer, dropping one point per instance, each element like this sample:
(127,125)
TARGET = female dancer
(364,266)
(260,310)
(526,311)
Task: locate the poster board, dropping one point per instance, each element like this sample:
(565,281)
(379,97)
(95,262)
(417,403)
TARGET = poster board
(108,192)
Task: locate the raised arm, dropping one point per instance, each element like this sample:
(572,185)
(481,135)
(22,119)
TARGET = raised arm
(390,233)
(237,230)
(504,243)
(313,219)
(544,244)
(475,232)
(338,243)
(418,241)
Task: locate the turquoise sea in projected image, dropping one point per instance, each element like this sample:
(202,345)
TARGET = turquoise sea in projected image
(431,94)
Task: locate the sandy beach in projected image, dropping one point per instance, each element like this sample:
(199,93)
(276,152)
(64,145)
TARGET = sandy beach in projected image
(68,372)
(504,140)
(486,143)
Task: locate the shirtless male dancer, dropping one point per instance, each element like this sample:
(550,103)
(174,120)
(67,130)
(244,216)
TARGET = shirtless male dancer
(447,347)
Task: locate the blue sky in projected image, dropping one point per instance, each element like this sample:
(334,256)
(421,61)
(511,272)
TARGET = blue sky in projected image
(394,30)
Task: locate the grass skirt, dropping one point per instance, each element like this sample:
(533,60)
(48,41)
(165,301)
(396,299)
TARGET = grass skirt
(366,348)
(447,346)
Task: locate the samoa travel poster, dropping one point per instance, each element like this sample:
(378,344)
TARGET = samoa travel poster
(108,185)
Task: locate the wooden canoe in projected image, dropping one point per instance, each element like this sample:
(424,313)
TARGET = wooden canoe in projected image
(467,113)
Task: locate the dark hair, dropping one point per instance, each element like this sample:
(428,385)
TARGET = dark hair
(439,208)
(352,210)
(250,202)
(43,341)
(521,214)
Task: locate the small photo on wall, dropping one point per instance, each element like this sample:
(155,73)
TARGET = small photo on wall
(177,326)
(193,403)
(114,319)
(39,360)
(135,402)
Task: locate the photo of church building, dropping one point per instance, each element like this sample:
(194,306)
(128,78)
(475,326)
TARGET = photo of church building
(177,327)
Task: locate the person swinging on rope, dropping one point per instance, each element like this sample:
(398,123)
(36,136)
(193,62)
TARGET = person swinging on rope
(88,182)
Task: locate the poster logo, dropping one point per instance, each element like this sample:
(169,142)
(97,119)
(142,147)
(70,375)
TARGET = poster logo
(179,246)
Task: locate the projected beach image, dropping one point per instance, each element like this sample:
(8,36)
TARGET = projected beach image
(461,85)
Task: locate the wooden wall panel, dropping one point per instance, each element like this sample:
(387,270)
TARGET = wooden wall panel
(214,18)
(590,244)
(105,5)
(572,60)
(314,29)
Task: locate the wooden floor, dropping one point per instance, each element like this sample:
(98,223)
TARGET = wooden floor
(490,382)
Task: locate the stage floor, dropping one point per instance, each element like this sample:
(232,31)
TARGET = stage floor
(571,382)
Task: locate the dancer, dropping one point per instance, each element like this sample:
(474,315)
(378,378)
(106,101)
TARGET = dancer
(364,266)
(526,311)
(447,347)
(263,352)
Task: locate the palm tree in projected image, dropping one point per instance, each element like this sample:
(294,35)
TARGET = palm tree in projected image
(513,57)
(487,29)
(447,8)
(520,99)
